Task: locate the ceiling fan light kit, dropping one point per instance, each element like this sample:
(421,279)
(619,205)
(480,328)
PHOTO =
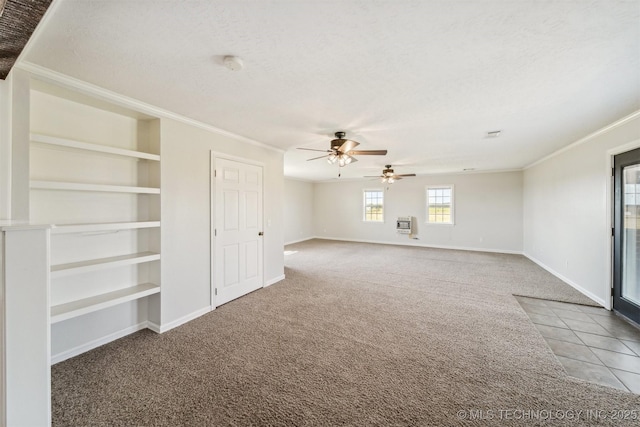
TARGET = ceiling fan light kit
(342,151)
(389,177)
(342,159)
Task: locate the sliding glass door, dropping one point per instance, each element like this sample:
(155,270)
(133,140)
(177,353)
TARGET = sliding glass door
(626,274)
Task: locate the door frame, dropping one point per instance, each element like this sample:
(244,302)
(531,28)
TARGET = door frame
(610,217)
(628,309)
(214,155)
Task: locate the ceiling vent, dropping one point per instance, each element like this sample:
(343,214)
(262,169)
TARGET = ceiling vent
(494,133)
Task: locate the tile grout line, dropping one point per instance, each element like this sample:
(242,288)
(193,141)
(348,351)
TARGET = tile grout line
(584,345)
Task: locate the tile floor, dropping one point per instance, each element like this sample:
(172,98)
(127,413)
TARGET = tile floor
(590,342)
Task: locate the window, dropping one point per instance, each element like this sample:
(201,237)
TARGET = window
(440,204)
(373,205)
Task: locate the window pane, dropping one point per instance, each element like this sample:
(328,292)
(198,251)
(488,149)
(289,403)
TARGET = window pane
(373,205)
(440,205)
(631,235)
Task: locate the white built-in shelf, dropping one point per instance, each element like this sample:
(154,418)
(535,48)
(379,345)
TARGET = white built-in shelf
(75,186)
(106,226)
(70,143)
(88,305)
(61,270)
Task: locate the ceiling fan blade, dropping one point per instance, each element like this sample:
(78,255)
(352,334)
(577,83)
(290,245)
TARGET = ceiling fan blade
(348,145)
(316,158)
(367,153)
(313,149)
(373,176)
(407,174)
(396,177)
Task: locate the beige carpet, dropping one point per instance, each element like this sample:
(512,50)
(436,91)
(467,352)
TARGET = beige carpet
(357,334)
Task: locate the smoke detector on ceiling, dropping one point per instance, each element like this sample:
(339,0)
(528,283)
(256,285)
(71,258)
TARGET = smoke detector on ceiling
(233,63)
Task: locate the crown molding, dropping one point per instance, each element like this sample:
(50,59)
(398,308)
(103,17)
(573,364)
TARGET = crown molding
(293,178)
(586,139)
(69,82)
(419,175)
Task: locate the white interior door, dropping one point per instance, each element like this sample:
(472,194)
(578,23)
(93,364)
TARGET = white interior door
(237,229)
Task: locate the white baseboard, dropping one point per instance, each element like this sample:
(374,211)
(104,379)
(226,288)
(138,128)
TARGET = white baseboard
(274,280)
(181,321)
(67,354)
(574,285)
(423,245)
(299,240)
(154,327)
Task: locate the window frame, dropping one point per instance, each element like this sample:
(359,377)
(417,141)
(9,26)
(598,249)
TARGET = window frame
(364,205)
(452,203)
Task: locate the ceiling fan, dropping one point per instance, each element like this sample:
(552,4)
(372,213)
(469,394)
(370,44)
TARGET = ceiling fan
(389,177)
(342,151)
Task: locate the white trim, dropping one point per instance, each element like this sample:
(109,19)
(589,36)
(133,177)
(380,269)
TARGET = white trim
(5,152)
(623,149)
(274,280)
(213,157)
(293,178)
(586,138)
(225,156)
(180,321)
(36,33)
(422,245)
(299,240)
(125,101)
(452,214)
(360,179)
(68,354)
(574,285)
(364,205)
(212,228)
(608,271)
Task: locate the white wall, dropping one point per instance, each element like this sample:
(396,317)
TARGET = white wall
(488,211)
(185,237)
(185,205)
(5,149)
(185,177)
(567,213)
(298,210)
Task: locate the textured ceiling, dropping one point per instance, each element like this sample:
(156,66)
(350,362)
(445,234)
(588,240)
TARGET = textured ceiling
(424,79)
(18,19)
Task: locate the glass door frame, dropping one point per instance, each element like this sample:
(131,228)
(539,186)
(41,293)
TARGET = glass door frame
(620,304)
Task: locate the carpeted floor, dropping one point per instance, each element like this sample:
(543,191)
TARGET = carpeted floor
(357,334)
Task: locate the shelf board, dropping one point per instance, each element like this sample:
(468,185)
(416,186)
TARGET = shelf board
(74,186)
(104,149)
(88,305)
(61,270)
(106,226)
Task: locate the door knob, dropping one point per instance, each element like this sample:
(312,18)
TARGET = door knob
(260,233)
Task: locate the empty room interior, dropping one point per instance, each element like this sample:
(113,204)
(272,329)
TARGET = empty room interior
(315,212)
